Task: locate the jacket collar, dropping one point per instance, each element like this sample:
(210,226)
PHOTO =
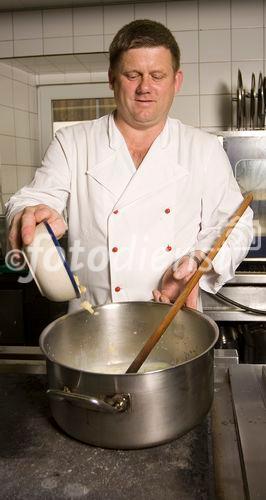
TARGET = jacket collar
(116,139)
(117,173)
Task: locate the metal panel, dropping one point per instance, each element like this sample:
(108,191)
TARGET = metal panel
(250,412)
(227,467)
(250,296)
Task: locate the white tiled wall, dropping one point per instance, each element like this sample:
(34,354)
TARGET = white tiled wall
(182,15)
(214,14)
(216,37)
(19,144)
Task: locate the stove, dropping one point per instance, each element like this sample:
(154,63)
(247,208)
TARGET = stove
(38,461)
(222,458)
(244,297)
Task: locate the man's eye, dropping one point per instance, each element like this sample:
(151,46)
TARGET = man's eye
(132,76)
(157,76)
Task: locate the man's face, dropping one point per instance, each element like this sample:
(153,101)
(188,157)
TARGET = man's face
(144,85)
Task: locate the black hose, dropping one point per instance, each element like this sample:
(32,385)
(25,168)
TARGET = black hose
(241,306)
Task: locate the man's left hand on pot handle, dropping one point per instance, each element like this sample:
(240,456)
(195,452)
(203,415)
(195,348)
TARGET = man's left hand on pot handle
(176,277)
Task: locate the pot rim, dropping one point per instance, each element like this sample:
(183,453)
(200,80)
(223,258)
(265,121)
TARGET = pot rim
(112,305)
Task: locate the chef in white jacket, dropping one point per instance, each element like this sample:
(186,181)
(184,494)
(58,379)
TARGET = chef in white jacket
(146,195)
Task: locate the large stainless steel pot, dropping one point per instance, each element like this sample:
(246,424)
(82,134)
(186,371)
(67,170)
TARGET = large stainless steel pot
(129,410)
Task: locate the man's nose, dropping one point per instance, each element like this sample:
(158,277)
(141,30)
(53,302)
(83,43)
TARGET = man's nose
(144,84)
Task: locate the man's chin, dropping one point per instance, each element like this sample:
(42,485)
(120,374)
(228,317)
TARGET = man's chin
(146,119)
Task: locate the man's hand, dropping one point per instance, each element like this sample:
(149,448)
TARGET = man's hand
(174,282)
(23,225)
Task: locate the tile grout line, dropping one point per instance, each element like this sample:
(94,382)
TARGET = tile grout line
(263,39)
(199,86)
(72,23)
(13,100)
(231,65)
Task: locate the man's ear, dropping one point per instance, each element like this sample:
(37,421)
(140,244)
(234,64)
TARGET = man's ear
(111,79)
(178,80)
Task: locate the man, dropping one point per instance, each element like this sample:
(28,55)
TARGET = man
(146,196)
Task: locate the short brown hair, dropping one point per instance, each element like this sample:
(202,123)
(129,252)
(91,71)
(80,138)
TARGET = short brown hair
(143,33)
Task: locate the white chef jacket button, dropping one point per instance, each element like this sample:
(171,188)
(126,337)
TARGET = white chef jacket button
(117,289)
(114,249)
(167,210)
(115,212)
(168,248)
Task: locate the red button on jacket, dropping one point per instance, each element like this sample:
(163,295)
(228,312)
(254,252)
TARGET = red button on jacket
(117,289)
(114,249)
(167,210)
(168,248)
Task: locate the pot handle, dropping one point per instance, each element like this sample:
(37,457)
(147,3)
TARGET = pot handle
(111,404)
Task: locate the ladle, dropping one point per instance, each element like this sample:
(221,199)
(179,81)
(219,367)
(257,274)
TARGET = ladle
(180,301)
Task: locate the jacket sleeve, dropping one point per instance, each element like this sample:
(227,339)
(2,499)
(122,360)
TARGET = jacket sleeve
(221,197)
(50,186)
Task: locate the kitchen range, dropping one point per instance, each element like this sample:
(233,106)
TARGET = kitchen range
(240,306)
(38,461)
(223,457)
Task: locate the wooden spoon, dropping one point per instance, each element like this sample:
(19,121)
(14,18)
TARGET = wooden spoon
(180,301)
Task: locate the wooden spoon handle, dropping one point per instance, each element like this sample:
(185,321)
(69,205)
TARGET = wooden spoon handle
(180,301)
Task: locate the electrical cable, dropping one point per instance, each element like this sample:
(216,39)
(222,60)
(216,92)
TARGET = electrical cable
(241,306)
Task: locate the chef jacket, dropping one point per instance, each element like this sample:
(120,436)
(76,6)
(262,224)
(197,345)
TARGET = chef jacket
(126,226)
